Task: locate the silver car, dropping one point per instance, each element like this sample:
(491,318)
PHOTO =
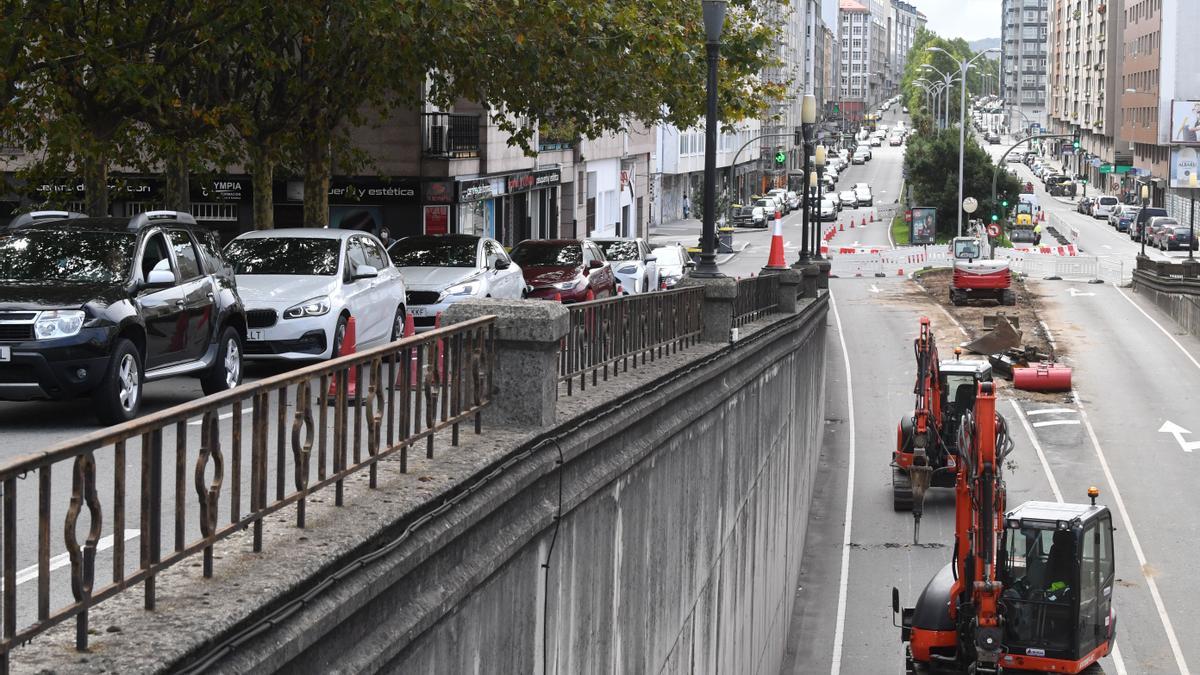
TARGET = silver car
(633,262)
(443,269)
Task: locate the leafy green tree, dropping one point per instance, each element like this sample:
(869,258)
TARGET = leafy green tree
(931,169)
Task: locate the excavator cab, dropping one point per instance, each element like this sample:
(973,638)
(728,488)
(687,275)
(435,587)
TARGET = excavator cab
(1057,569)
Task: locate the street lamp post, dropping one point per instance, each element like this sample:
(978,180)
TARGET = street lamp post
(714,22)
(962,118)
(808,118)
(819,160)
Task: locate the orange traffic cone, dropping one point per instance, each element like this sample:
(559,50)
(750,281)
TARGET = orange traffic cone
(842,227)
(777,260)
(410,328)
(900,272)
(872,216)
(864,221)
(349,346)
(557,298)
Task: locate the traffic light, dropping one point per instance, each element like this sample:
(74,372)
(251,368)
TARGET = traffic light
(1004,203)
(995,217)
(780,157)
(1075,142)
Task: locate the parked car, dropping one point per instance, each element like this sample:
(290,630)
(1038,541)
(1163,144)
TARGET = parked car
(1125,218)
(440,270)
(781,195)
(99,306)
(1156,227)
(1140,220)
(848,198)
(859,158)
(780,206)
(829,208)
(1103,206)
(749,215)
(1014,158)
(1178,238)
(866,150)
(992,138)
(896,139)
(769,208)
(793,200)
(673,263)
(302,286)
(635,265)
(572,270)
(1084,206)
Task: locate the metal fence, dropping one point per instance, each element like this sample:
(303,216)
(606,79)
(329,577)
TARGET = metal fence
(612,334)
(756,297)
(324,423)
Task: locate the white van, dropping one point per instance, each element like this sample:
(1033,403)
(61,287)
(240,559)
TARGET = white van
(1103,206)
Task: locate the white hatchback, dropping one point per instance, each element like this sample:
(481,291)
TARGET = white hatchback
(302,286)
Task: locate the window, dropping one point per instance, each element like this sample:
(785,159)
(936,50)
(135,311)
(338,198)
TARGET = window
(491,253)
(375,256)
(213,212)
(185,254)
(154,255)
(355,256)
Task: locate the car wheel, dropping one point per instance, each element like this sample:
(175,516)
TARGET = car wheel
(226,372)
(398,324)
(339,336)
(119,395)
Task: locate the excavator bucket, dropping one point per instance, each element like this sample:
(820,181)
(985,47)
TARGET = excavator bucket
(999,339)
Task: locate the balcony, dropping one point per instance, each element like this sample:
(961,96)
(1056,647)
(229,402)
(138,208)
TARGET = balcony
(450,135)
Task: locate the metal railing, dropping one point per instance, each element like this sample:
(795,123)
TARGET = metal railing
(756,297)
(450,135)
(614,333)
(325,422)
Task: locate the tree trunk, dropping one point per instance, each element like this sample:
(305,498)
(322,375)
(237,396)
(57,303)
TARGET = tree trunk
(262,177)
(95,183)
(176,196)
(317,167)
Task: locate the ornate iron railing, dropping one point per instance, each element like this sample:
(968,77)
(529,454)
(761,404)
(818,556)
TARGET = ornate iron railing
(756,297)
(325,422)
(611,335)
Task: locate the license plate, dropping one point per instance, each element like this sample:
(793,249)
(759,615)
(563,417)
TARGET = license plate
(417,311)
(255,335)
(5,354)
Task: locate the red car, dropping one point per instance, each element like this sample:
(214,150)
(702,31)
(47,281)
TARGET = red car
(572,269)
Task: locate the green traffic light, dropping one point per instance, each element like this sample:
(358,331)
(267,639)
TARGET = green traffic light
(995,217)
(1004,203)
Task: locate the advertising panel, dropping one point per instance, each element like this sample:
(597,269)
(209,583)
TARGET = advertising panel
(923,229)
(1185,122)
(1183,167)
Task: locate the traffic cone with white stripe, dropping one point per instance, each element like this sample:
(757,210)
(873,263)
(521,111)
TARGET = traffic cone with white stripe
(777,260)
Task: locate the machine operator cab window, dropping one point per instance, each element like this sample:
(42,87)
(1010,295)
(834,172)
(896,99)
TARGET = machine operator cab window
(966,249)
(1057,573)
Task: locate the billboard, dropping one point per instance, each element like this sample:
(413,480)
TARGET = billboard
(924,225)
(1183,167)
(1185,122)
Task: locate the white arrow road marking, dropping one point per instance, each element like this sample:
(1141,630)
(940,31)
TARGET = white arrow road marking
(64,559)
(1177,431)
(874,288)
(1075,293)
(1053,423)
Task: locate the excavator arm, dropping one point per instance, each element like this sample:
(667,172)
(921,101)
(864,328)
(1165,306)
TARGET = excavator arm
(927,416)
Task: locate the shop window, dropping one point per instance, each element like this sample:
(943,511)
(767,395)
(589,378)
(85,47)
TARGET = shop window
(215,212)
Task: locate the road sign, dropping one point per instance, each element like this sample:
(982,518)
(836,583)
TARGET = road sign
(969,205)
(993,230)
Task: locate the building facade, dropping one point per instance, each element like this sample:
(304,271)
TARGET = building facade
(1024,33)
(904,20)
(854,38)
(1141,57)
(679,169)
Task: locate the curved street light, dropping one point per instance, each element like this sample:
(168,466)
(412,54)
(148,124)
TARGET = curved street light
(963,65)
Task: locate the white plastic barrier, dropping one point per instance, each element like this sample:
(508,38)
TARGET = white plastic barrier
(856,264)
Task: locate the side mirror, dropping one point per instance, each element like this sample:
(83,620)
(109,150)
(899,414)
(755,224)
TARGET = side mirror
(595,264)
(690,264)
(502,264)
(895,600)
(651,258)
(364,272)
(159,278)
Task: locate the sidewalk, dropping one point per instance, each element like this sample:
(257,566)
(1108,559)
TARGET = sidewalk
(687,232)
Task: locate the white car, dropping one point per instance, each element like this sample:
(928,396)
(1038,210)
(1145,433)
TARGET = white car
(862,195)
(633,262)
(302,286)
(441,270)
(829,208)
(876,141)
(848,199)
(1103,207)
(780,195)
(793,200)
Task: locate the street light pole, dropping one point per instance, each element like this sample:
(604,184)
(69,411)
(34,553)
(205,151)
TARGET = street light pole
(714,22)
(819,159)
(808,117)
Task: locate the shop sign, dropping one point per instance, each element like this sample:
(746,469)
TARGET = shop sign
(351,191)
(547,178)
(437,219)
(532,180)
(475,189)
(224,190)
(520,182)
(119,188)
(438,192)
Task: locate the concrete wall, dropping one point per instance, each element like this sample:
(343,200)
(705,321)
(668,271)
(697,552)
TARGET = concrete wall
(684,507)
(1178,297)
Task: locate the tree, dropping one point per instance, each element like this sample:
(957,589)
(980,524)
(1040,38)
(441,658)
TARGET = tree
(931,169)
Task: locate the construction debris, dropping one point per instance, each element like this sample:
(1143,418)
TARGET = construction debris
(1000,337)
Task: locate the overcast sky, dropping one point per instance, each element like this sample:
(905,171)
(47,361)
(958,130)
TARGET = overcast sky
(967,19)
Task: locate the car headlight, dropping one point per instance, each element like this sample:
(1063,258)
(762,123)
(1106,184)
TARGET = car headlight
(310,307)
(58,324)
(468,288)
(627,269)
(568,285)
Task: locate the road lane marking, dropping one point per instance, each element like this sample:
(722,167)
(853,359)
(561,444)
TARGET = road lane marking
(1133,538)
(1053,423)
(1048,411)
(63,559)
(1118,662)
(1159,326)
(1177,431)
(839,633)
(1075,293)
(222,416)
(873,288)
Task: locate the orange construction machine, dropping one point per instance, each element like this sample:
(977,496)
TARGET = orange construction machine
(1028,589)
(925,454)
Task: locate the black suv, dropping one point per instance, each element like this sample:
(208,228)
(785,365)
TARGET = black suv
(100,305)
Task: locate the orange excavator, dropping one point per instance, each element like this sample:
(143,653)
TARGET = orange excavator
(925,454)
(1028,589)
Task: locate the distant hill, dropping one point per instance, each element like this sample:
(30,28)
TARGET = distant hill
(986,43)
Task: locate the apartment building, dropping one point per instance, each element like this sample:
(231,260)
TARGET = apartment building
(1141,54)
(905,19)
(790,52)
(679,168)
(1084,76)
(1023,62)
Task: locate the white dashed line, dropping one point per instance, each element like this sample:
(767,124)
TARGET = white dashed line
(1053,423)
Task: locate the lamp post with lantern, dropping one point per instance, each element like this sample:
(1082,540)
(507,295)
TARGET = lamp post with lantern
(808,119)
(815,181)
(714,23)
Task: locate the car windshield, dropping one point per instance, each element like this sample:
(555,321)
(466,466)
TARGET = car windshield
(1108,201)
(529,254)
(628,250)
(434,252)
(300,256)
(1183,231)
(66,255)
(668,255)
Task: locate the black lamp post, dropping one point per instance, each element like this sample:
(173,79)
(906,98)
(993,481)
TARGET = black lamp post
(1142,230)
(819,159)
(714,22)
(808,118)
